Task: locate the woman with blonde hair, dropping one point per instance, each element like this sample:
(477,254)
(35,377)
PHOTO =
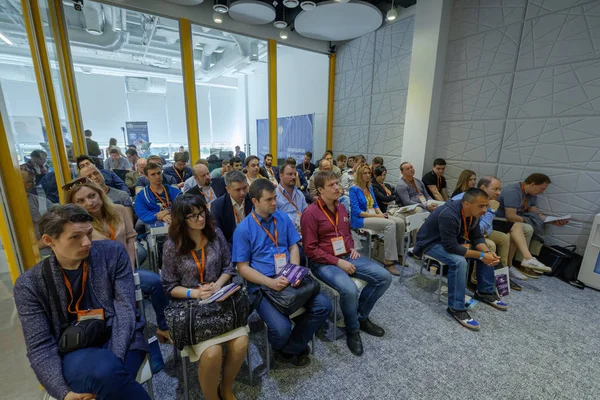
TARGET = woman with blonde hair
(366,214)
(112,222)
(466,181)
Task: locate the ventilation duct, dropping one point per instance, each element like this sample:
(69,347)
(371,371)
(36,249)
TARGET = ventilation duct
(145,85)
(10,72)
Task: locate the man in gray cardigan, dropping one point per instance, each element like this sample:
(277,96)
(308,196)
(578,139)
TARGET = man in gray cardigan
(88,276)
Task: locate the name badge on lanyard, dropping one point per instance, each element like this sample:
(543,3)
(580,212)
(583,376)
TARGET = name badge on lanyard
(371,211)
(280,262)
(297,221)
(338,245)
(422,199)
(95,313)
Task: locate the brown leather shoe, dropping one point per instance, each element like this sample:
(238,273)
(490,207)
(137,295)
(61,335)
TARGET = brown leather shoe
(392,269)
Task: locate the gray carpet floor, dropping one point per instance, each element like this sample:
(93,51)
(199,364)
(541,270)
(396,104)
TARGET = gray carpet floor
(547,346)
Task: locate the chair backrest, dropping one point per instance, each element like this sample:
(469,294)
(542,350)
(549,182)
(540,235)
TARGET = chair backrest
(415,221)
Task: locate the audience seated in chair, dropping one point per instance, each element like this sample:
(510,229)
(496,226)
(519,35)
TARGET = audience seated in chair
(116,196)
(231,209)
(290,200)
(347,179)
(410,190)
(385,194)
(435,182)
(518,204)
(153,203)
(451,235)
(196,264)
(264,238)
(142,181)
(92,276)
(179,170)
(110,178)
(325,165)
(466,180)
(269,171)
(307,167)
(113,222)
(253,169)
(116,160)
(209,189)
(366,214)
(132,177)
(329,246)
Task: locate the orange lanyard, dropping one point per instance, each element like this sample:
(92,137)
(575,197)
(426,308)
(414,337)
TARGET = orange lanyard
(112,232)
(413,183)
(168,203)
(288,199)
(237,217)
(210,194)
(439,183)
(387,191)
(466,227)
(524,198)
(199,265)
(369,198)
(70,288)
(335,226)
(179,176)
(274,239)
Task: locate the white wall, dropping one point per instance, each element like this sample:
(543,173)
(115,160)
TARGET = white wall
(520,97)
(302,83)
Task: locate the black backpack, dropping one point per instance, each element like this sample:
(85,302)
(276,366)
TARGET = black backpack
(564,261)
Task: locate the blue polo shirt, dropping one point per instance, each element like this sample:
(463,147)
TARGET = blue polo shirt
(252,244)
(284,205)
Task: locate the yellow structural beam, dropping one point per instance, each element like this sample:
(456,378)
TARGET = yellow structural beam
(330,100)
(189,87)
(41,65)
(65,62)
(273,99)
(16,225)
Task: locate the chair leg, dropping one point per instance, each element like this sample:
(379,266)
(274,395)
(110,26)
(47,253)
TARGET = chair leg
(440,283)
(249,366)
(186,393)
(267,352)
(369,245)
(312,350)
(335,306)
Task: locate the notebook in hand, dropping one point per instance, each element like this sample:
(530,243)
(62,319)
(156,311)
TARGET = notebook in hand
(221,294)
(294,273)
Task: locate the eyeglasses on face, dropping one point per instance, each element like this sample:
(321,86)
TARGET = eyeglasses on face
(196,217)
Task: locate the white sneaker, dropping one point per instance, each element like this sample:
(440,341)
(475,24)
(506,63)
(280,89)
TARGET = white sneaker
(516,274)
(534,264)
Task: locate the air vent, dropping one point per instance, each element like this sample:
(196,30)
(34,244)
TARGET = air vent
(145,85)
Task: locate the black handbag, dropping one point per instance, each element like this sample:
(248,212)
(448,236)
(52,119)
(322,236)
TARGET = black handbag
(564,261)
(191,322)
(290,299)
(78,334)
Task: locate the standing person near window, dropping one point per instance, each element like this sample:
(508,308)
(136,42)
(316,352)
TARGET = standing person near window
(196,264)
(466,181)
(113,222)
(366,214)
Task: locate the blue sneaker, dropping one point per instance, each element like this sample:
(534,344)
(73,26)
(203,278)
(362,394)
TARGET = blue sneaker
(464,319)
(492,299)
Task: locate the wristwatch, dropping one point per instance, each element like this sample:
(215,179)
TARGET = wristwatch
(481,256)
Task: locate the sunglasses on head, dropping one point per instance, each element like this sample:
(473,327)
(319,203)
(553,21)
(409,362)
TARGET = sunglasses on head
(75,183)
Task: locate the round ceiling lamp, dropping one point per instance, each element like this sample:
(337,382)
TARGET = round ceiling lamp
(308,5)
(291,3)
(218,18)
(252,12)
(280,22)
(283,34)
(221,6)
(334,21)
(186,2)
(392,14)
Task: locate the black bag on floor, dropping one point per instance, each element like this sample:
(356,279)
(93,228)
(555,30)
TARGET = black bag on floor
(564,261)
(553,258)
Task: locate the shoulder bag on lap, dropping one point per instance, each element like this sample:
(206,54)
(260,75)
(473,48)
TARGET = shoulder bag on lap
(78,334)
(191,322)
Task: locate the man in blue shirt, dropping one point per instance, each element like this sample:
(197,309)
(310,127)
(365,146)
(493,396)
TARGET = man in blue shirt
(451,234)
(290,199)
(263,242)
(153,203)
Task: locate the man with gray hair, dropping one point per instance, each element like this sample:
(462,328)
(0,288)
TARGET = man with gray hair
(209,189)
(229,210)
(91,281)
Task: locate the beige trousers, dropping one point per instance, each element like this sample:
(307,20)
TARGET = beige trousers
(392,230)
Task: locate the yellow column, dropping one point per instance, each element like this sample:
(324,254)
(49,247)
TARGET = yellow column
(273,99)
(41,65)
(330,99)
(189,87)
(16,225)
(65,63)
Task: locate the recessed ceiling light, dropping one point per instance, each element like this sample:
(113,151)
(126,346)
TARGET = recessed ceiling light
(342,1)
(218,18)
(291,3)
(283,34)
(308,5)
(221,6)
(280,24)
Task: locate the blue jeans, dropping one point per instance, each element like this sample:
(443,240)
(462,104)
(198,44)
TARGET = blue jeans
(355,309)
(281,335)
(457,276)
(152,286)
(99,371)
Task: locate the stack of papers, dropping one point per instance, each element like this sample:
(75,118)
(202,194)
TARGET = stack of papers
(552,219)
(224,291)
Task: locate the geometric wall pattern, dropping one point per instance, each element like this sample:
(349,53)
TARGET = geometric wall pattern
(521,94)
(370,94)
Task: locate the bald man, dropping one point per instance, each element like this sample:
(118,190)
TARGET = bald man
(133,176)
(209,189)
